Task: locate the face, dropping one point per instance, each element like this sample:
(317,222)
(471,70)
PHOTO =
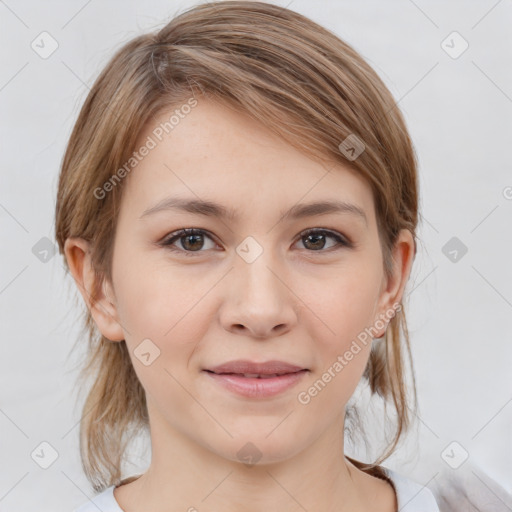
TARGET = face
(259,278)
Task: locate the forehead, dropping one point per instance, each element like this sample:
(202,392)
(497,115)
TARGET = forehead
(217,153)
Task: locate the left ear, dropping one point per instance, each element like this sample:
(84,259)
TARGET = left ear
(403,254)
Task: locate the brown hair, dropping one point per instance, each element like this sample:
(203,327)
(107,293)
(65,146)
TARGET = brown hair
(305,85)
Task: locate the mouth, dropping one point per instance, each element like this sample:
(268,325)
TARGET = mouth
(255,375)
(251,368)
(256,380)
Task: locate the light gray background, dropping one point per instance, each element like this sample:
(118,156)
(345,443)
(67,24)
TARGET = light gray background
(459,112)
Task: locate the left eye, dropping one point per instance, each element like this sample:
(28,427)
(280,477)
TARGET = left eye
(193,240)
(318,236)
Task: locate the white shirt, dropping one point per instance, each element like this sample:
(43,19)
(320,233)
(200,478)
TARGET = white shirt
(411,497)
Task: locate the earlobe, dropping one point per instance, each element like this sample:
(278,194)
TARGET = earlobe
(102,307)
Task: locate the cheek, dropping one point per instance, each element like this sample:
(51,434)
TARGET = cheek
(154,298)
(345,303)
(163,307)
(346,306)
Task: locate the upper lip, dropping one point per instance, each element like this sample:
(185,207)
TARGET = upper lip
(265,368)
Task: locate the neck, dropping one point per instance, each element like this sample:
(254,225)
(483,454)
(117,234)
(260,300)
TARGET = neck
(183,475)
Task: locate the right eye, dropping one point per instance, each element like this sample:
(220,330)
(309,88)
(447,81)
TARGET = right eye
(191,241)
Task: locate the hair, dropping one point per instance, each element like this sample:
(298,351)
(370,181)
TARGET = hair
(305,85)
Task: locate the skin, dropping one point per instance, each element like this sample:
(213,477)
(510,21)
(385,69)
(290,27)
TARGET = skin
(299,301)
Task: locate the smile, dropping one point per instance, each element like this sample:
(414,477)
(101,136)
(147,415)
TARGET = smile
(251,385)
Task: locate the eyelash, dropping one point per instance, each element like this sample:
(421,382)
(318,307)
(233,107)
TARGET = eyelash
(177,235)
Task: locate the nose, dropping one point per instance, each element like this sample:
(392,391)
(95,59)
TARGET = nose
(258,300)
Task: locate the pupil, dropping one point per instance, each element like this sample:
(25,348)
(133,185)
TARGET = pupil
(317,238)
(196,237)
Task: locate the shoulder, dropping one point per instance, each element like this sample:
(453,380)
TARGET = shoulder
(411,496)
(104,501)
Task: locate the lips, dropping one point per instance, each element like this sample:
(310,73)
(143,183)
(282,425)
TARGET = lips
(256,370)
(256,380)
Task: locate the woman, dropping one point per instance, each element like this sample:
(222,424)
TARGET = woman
(238,206)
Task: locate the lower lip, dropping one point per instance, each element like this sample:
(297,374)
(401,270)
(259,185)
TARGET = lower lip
(257,388)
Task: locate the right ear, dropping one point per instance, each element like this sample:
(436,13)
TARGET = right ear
(103,310)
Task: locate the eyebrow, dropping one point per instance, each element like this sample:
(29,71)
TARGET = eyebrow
(212,209)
